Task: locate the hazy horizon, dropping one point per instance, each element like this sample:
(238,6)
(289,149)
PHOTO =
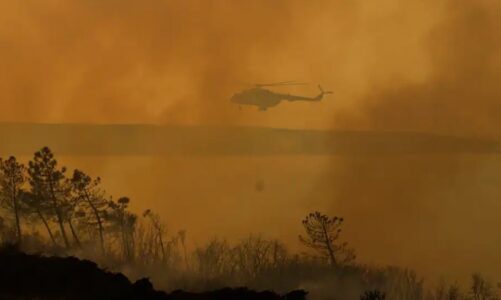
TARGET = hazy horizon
(428,70)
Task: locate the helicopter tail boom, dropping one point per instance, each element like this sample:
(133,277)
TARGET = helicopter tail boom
(302,98)
(322,90)
(322,93)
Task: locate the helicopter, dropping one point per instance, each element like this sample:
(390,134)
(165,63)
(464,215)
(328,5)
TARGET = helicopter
(264,98)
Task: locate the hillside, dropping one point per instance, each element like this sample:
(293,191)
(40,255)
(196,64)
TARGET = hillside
(24,276)
(134,139)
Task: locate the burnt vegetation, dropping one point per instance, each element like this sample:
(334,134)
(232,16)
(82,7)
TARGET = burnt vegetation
(50,215)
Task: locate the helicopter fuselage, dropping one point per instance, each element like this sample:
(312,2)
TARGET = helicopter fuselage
(259,97)
(263,98)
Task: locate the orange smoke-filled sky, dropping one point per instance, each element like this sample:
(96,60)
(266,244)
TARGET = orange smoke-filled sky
(180,61)
(428,66)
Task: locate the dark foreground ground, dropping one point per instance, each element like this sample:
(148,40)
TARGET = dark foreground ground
(24,276)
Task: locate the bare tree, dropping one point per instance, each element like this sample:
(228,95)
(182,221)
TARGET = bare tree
(481,289)
(373,295)
(159,231)
(253,256)
(12,178)
(182,239)
(146,243)
(322,235)
(403,284)
(123,222)
(215,259)
(439,292)
(257,256)
(279,255)
(453,292)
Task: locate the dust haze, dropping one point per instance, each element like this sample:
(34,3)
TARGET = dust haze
(421,66)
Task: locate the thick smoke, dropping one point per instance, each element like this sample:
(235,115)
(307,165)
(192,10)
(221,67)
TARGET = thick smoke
(149,61)
(178,62)
(434,212)
(431,66)
(460,95)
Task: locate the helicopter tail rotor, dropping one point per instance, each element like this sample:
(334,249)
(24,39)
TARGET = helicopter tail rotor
(322,90)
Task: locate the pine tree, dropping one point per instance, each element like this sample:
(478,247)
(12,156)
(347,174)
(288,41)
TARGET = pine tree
(12,179)
(323,237)
(48,184)
(90,199)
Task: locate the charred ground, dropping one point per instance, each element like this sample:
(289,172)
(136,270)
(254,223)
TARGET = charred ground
(25,276)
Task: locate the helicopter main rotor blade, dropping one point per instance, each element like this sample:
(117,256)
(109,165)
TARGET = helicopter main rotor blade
(282,83)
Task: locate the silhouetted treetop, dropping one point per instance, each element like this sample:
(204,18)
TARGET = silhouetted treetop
(322,235)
